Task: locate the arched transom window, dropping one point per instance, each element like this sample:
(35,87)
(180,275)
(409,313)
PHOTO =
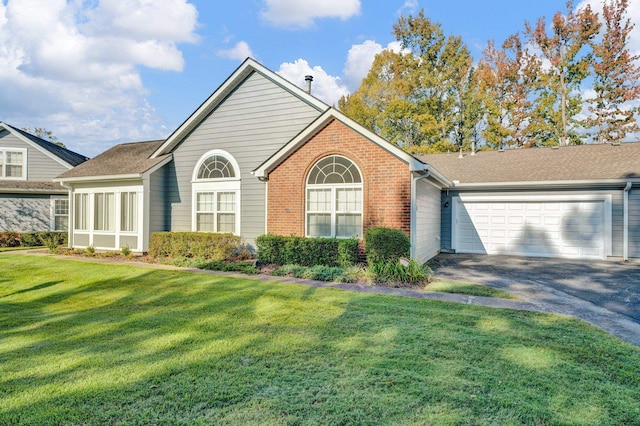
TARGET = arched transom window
(216,194)
(334,199)
(216,167)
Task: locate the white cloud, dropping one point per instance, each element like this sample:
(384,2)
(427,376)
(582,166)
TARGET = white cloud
(302,14)
(239,52)
(360,58)
(326,87)
(71,66)
(409,6)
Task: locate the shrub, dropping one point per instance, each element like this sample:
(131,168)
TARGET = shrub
(351,274)
(50,239)
(195,245)
(91,250)
(386,245)
(395,272)
(217,265)
(279,250)
(285,270)
(30,239)
(126,251)
(9,239)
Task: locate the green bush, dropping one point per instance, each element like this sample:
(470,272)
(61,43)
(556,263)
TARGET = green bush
(217,265)
(321,273)
(395,272)
(279,250)
(195,245)
(9,239)
(30,239)
(386,245)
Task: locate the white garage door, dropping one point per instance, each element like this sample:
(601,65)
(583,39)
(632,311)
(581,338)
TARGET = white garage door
(573,229)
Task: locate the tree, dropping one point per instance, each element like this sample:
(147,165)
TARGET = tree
(45,134)
(566,66)
(508,77)
(616,77)
(412,98)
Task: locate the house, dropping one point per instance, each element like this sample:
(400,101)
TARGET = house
(262,155)
(29,199)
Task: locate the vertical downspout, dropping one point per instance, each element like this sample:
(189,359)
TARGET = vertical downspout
(414,211)
(625,222)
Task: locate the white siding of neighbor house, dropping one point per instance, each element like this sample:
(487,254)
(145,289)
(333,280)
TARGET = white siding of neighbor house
(617,224)
(427,220)
(25,213)
(40,167)
(634,222)
(251,124)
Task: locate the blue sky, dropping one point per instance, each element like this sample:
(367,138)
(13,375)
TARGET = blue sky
(100,72)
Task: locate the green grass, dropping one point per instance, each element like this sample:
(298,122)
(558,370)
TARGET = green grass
(446,286)
(3,249)
(85,343)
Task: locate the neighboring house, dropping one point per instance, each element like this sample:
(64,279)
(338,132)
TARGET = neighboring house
(29,199)
(262,155)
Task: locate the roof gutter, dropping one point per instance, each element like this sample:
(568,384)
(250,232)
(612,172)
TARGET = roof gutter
(545,184)
(32,191)
(625,221)
(129,176)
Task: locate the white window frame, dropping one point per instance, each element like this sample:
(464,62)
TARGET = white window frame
(128,218)
(54,214)
(216,186)
(3,163)
(334,213)
(107,213)
(116,232)
(85,210)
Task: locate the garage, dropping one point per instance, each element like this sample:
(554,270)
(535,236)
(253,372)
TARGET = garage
(542,226)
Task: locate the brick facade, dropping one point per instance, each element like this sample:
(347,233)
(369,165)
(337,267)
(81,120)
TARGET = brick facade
(386,182)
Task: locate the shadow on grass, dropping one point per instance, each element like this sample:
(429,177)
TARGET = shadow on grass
(121,344)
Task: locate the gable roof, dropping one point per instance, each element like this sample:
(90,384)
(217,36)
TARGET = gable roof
(331,114)
(62,155)
(123,161)
(588,163)
(248,67)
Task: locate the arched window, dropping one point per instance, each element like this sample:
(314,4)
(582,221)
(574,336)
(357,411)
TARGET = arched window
(216,193)
(334,199)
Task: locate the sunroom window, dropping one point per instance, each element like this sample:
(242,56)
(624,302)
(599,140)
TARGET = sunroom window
(334,199)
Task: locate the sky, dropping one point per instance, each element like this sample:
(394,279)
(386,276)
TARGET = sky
(101,72)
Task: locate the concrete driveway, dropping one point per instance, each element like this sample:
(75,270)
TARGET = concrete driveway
(606,294)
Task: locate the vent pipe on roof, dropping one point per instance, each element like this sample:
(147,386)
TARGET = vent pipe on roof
(308,79)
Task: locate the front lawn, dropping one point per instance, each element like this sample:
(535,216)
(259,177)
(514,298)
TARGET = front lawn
(84,343)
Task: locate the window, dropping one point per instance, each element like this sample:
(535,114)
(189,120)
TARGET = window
(216,212)
(12,164)
(81,212)
(216,193)
(60,214)
(103,215)
(334,199)
(128,211)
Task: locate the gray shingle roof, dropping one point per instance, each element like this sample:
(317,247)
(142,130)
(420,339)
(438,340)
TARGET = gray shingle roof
(570,163)
(123,159)
(13,186)
(64,154)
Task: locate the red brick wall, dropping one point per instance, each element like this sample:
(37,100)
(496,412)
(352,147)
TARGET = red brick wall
(387,182)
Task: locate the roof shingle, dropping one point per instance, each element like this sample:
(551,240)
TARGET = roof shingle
(569,163)
(123,159)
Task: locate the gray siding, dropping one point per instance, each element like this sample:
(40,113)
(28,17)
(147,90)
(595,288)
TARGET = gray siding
(617,225)
(634,222)
(427,221)
(25,213)
(40,167)
(159,215)
(255,120)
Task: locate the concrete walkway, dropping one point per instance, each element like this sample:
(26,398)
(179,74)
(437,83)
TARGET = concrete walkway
(555,301)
